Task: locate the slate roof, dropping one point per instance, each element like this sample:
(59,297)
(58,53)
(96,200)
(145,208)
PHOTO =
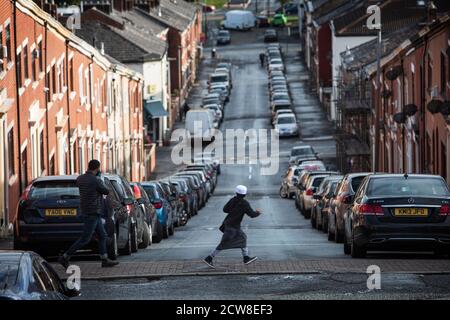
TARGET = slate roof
(177,14)
(125,45)
(366,53)
(395,14)
(332,9)
(141,21)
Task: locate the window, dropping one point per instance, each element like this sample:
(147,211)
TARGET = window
(2,63)
(11,156)
(26,74)
(41,67)
(24,168)
(430,73)
(47,85)
(81,83)
(19,69)
(8,42)
(71,75)
(54,87)
(33,65)
(42,151)
(443,74)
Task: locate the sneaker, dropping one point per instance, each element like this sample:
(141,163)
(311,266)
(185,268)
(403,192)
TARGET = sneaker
(209,261)
(248,260)
(63,261)
(106,263)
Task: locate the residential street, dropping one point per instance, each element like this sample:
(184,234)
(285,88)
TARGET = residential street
(280,236)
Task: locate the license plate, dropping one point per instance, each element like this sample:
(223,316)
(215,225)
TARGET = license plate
(411,212)
(60,212)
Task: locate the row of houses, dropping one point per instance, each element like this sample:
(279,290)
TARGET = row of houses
(110,88)
(401,122)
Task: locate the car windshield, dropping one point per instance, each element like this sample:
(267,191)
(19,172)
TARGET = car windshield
(54,190)
(219,78)
(413,186)
(223,34)
(151,191)
(317,181)
(301,151)
(286,120)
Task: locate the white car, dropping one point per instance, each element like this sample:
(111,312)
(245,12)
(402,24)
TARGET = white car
(286,125)
(280,112)
(217,111)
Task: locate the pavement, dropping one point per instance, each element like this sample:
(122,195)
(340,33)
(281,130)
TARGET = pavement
(126,270)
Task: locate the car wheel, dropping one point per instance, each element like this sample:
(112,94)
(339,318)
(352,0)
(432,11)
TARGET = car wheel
(307,214)
(171,230)
(330,234)
(357,251)
(324,224)
(113,250)
(313,222)
(134,239)
(159,233)
(127,249)
(337,235)
(165,231)
(283,193)
(318,225)
(347,246)
(145,237)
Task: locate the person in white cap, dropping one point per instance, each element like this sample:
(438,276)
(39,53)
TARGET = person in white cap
(233,236)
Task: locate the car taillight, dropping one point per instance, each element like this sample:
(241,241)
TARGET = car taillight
(444,210)
(309,192)
(137,192)
(371,210)
(157,205)
(25,193)
(128,206)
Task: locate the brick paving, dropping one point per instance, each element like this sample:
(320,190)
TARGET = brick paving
(92,270)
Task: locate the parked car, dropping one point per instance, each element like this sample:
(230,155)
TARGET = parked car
(286,125)
(270,35)
(341,203)
(138,216)
(289,183)
(328,196)
(198,187)
(27,276)
(311,186)
(163,209)
(279,20)
(399,212)
(191,192)
(171,195)
(301,151)
(223,37)
(150,212)
(185,196)
(49,220)
(320,199)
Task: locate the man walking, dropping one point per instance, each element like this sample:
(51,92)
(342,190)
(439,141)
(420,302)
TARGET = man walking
(233,236)
(91,189)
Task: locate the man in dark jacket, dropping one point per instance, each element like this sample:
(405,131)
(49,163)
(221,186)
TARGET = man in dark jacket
(91,189)
(233,236)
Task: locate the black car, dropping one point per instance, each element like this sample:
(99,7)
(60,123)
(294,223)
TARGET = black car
(173,197)
(270,35)
(197,185)
(192,195)
(223,37)
(321,198)
(139,224)
(49,220)
(27,276)
(399,212)
(152,221)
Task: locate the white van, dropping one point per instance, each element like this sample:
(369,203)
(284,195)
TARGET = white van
(203,119)
(239,20)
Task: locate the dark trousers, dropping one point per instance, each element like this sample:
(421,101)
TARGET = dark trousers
(92,223)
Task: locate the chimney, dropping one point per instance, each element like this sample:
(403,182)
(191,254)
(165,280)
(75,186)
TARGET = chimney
(431,12)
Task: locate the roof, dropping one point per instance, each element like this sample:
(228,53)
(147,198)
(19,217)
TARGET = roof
(367,53)
(353,23)
(332,9)
(142,22)
(55,178)
(125,45)
(177,14)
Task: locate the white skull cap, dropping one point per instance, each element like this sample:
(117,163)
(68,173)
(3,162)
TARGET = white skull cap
(240,189)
